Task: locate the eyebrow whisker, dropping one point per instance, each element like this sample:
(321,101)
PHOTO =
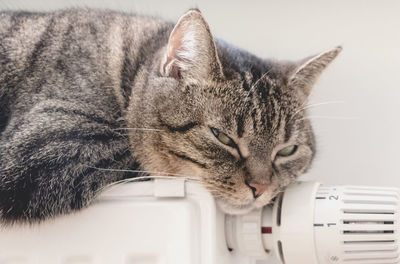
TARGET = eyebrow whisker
(258,80)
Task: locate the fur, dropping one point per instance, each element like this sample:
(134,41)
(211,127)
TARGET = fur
(85,90)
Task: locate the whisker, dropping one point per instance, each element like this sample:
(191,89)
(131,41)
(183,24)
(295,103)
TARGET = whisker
(152,177)
(140,171)
(304,107)
(255,84)
(262,76)
(325,103)
(330,117)
(319,104)
(138,128)
(212,185)
(114,184)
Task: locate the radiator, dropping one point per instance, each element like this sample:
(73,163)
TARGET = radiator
(177,222)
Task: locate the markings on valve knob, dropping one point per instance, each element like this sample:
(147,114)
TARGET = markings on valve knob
(331,197)
(322,225)
(334,258)
(334,197)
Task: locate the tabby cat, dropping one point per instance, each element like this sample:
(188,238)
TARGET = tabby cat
(92,97)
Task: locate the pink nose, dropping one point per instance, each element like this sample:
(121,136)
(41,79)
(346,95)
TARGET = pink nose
(257,189)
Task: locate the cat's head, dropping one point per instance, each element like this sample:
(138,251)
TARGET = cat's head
(235,122)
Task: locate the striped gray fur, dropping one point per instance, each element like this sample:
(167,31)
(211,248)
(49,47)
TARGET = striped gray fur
(72,80)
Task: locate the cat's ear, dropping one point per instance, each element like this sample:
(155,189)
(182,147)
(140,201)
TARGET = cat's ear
(191,52)
(310,69)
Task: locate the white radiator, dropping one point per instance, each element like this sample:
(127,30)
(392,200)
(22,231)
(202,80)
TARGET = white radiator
(177,222)
(153,222)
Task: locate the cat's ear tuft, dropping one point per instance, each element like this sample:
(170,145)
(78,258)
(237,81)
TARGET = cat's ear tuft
(310,69)
(191,52)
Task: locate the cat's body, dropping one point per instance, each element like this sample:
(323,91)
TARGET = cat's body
(72,81)
(65,80)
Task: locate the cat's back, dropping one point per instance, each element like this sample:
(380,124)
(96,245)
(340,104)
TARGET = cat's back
(21,30)
(71,54)
(22,33)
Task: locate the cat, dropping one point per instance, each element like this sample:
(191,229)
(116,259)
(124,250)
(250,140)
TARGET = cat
(92,97)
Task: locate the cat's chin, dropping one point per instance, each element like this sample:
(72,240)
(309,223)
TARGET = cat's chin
(235,209)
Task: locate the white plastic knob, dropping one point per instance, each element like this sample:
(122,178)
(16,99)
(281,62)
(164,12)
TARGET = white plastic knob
(315,224)
(244,234)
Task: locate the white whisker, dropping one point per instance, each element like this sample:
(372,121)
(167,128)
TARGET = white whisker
(255,84)
(330,117)
(304,107)
(138,128)
(324,103)
(316,104)
(128,180)
(167,174)
(262,76)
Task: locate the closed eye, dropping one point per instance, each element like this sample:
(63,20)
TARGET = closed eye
(223,138)
(287,151)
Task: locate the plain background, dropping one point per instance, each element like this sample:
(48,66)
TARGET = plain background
(358,132)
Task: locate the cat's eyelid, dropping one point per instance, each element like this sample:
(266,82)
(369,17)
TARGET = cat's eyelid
(279,147)
(216,132)
(234,145)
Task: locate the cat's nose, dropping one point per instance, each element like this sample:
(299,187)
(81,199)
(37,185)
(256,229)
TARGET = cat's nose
(256,188)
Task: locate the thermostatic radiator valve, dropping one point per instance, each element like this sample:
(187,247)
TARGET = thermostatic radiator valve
(314,224)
